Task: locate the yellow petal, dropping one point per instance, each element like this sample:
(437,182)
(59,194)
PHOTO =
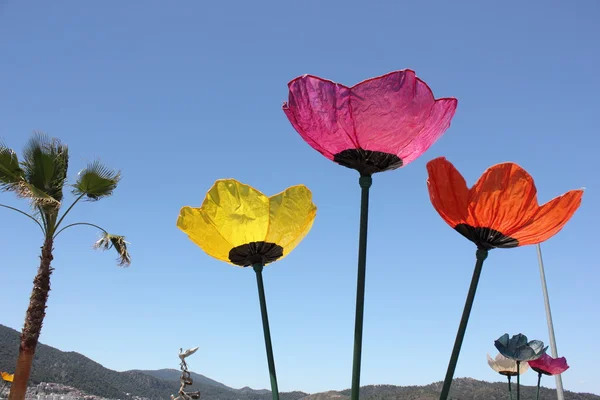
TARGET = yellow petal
(8,377)
(200,231)
(231,215)
(291,216)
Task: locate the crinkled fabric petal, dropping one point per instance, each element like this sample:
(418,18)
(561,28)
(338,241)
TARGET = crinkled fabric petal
(549,219)
(503,199)
(506,366)
(239,212)
(437,123)
(517,341)
(448,191)
(397,114)
(292,214)
(549,365)
(201,231)
(319,111)
(8,377)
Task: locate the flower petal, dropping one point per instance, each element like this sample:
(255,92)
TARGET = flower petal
(231,215)
(493,364)
(7,377)
(291,216)
(397,114)
(448,191)
(504,198)
(549,219)
(201,231)
(320,112)
(438,122)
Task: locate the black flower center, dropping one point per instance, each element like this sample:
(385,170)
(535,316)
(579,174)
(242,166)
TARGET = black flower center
(255,253)
(367,162)
(486,238)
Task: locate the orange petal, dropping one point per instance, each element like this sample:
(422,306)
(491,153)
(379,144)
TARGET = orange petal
(503,199)
(448,191)
(549,218)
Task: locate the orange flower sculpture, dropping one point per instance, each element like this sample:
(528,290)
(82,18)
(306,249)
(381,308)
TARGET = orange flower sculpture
(500,211)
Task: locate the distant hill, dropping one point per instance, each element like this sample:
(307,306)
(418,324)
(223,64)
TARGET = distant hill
(79,372)
(462,389)
(175,374)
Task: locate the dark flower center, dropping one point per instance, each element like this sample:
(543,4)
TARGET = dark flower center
(486,238)
(255,253)
(367,162)
(508,373)
(541,371)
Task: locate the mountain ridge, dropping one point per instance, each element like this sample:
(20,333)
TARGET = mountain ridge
(74,370)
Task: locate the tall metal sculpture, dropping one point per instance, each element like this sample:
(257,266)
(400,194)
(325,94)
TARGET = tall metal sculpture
(186,378)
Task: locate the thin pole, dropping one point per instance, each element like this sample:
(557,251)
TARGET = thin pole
(518,380)
(559,386)
(481,255)
(267,332)
(365,183)
(537,396)
(509,388)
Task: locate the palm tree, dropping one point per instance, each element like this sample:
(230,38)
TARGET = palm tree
(40,178)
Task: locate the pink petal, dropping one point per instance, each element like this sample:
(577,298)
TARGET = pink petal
(319,111)
(549,365)
(397,114)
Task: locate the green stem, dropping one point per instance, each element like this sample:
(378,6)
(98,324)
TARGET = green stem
(267,332)
(365,183)
(518,380)
(79,223)
(481,255)
(537,396)
(68,209)
(25,214)
(509,388)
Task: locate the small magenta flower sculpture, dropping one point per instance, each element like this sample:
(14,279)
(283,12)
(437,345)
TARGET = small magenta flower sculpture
(520,350)
(500,211)
(546,365)
(239,225)
(378,125)
(507,367)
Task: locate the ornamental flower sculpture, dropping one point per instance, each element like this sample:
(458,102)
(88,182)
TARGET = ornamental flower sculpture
(499,211)
(546,365)
(507,367)
(6,378)
(520,350)
(241,226)
(378,125)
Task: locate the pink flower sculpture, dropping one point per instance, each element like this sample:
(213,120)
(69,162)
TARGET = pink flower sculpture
(380,124)
(549,366)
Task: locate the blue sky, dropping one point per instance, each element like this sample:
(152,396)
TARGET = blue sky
(179,94)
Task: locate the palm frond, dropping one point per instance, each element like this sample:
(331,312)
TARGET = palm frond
(11,174)
(108,241)
(96,181)
(45,164)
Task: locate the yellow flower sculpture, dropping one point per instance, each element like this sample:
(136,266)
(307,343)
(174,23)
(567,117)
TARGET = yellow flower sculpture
(239,225)
(7,377)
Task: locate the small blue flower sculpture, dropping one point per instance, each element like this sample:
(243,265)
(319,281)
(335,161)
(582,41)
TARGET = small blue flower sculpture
(519,349)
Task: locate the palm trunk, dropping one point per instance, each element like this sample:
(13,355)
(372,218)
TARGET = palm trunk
(33,323)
